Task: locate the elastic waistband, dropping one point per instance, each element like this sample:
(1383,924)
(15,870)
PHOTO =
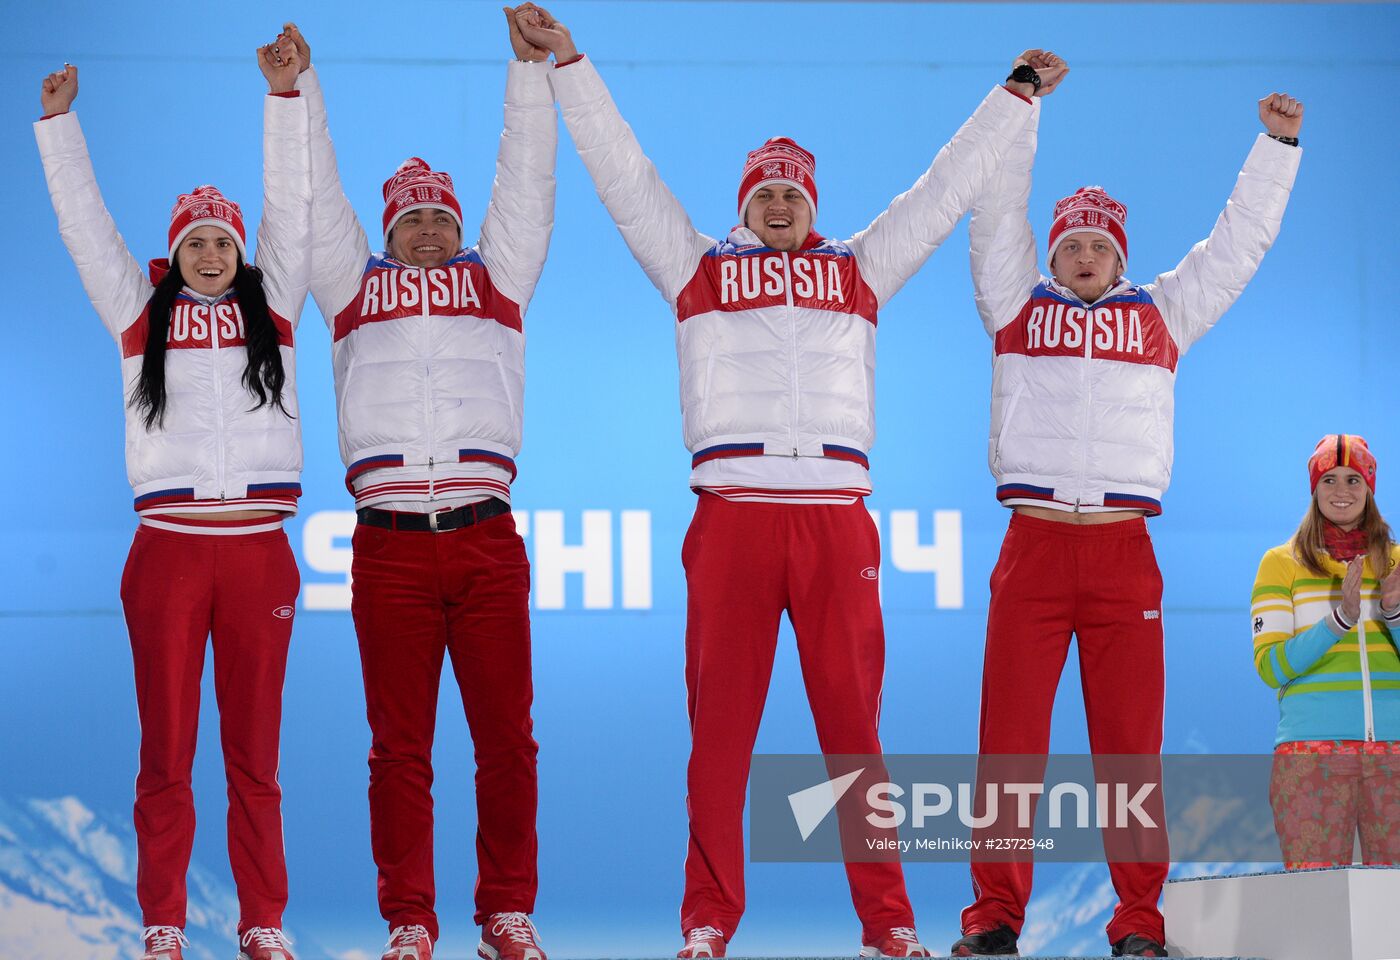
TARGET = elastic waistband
(1029,494)
(1118,530)
(711,500)
(383,461)
(441,521)
(244,531)
(725,451)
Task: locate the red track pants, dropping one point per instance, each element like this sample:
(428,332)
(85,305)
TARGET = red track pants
(417,596)
(745,564)
(1101,584)
(177,590)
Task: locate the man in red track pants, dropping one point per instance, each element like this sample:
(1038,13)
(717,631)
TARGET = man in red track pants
(776,342)
(1081,446)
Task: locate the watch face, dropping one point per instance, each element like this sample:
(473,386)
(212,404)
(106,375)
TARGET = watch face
(1025,73)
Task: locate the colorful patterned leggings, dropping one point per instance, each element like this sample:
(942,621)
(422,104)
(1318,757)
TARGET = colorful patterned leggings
(1323,791)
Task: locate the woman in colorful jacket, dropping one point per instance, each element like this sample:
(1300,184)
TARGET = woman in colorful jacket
(1319,600)
(213,452)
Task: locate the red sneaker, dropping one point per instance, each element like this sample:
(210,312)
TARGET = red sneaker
(899,942)
(265,943)
(702,942)
(509,936)
(163,943)
(408,943)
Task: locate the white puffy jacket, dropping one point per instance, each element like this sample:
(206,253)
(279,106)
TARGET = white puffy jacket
(1082,393)
(777,350)
(430,363)
(213,444)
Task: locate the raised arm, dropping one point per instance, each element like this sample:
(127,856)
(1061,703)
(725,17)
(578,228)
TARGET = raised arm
(898,242)
(110,274)
(339,247)
(284,233)
(649,217)
(515,233)
(1001,242)
(1213,275)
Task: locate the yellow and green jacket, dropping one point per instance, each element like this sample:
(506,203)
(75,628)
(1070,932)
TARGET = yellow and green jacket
(1326,689)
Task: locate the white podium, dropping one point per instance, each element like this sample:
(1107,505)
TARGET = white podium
(1342,913)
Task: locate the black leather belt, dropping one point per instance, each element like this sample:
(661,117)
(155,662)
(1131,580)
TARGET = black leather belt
(440,522)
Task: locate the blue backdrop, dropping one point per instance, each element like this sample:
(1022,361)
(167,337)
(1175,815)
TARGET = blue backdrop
(1159,108)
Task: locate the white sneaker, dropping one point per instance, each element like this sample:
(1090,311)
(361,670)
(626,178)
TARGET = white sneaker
(409,943)
(702,942)
(899,942)
(265,943)
(163,943)
(509,936)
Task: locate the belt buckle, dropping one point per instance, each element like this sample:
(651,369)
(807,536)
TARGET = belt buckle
(433,521)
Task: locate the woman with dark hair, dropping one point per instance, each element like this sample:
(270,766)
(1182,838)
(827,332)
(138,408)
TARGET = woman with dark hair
(213,451)
(1326,611)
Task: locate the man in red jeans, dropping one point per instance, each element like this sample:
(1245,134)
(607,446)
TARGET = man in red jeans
(1081,446)
(429,353)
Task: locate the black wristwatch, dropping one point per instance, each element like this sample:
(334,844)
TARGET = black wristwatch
(1025,73)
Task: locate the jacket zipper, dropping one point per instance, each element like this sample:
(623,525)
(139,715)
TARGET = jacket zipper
(792,343)
(426,335)
(218,402)
(1366,707)
(1084,420)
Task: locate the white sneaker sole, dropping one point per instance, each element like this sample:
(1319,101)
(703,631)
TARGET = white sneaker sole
(487,952)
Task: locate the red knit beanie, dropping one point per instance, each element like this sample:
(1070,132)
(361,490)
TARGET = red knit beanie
(416,185)
(206,206)
(780,160)
(1091,210)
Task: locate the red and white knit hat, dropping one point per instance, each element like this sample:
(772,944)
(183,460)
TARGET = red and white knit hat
(206,206)
(416,185)
(780,160)
(1342,450)
(1091,210)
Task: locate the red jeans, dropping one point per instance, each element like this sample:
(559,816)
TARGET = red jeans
(418,596)
(1099,583)
(177,590)
(1324,791)
(746,563)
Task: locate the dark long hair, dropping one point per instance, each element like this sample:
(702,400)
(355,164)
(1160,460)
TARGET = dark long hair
(263,377)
